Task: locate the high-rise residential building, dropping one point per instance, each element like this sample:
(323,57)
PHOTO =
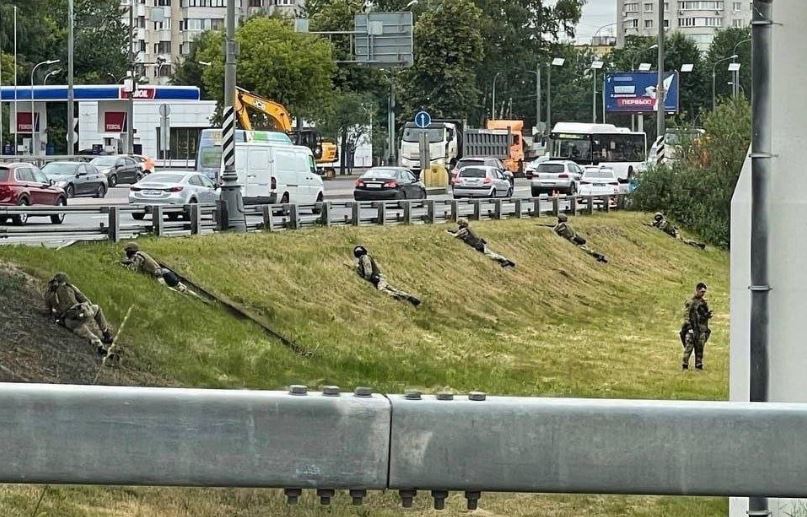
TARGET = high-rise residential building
(698,19)
(166,29)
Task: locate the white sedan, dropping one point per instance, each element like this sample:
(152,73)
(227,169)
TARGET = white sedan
(598,181)
(173,188)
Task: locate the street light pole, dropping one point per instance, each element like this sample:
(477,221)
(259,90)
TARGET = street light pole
(33,107)
(52,72)
(230,189)
(736,73)
(130,107)
(596,65)
(391,120)
(660,93)
(71,137)
(714,78)
(538,97)
(493,97)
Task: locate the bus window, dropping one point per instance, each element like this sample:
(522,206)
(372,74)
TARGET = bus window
(619,148)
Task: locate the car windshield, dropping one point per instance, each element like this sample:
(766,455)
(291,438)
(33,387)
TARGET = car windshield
(607,174)
(552,168)
(412,134)
(465,162)
(381,173)
(104,161)
(59,169)
(473,172)
(163,178)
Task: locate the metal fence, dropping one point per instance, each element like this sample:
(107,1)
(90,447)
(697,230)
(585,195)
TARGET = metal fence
(359,441)
(197,219)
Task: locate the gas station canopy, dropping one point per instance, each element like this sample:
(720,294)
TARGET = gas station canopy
(102,92)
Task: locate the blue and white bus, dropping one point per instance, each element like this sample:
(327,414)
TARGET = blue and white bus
(619,148)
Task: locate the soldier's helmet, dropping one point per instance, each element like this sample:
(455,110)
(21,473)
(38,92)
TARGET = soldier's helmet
(131,247)
(562,218)
(60,278)
(462,222)
(359,251)
(659,216)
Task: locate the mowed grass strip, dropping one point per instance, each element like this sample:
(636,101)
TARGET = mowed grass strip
(560,324)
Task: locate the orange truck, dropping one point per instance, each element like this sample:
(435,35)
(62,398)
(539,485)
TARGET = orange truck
(500,139)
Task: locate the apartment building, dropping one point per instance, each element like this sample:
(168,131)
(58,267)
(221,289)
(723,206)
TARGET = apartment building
(698,19)
(166,29)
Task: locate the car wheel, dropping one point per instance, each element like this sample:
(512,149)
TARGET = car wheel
(317,210)
(285,201)
(70,191)
(535,192)
(100,192)
(138,216)
(20,219)
(509,192)
(59,218)
(187,212)
(573,189)
(138,177)
(113,180)
(423,194)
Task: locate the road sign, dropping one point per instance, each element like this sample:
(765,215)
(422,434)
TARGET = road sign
(635,92)
(423,119)
(165,110)
(384,39)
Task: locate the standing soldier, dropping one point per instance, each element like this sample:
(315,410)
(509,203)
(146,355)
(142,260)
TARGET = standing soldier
(563,229)
(142,262)
(367,268)
(698,316)
(466,235)
(71,309)
(661,222)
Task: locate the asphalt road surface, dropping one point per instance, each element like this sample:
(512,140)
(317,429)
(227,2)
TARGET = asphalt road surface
(339,189)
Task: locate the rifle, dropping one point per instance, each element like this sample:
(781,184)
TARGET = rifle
(546,225)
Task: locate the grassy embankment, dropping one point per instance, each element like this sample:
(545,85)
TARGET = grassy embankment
(558,325)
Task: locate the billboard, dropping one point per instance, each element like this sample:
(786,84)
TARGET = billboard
(384,39)
(114,121)
(635,92)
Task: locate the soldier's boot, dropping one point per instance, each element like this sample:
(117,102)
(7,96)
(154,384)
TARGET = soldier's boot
(601,258)
(107,337)
(685,366)
(699,366)
(414,300)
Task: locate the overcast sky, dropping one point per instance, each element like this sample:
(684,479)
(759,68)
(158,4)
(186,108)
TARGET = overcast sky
(596,13)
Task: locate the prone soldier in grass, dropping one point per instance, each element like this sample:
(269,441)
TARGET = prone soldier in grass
(141,262)
(466,235)
(367,268)
(563,229)
(661,222)
(74,311)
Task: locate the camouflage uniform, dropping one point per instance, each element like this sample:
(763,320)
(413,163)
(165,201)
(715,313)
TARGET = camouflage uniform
(660,222)
(564,230)
(142,262)
(697,331)
(466,235)
(367,268)
(73,310)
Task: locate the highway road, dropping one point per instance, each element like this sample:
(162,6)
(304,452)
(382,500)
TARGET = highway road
(339,189)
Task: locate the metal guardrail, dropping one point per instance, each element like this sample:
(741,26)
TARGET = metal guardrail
(358,441)
(197,219)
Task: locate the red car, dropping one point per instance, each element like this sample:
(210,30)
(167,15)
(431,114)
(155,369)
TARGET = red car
(23,184)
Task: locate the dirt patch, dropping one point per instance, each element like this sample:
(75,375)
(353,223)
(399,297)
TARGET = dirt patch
(35,349)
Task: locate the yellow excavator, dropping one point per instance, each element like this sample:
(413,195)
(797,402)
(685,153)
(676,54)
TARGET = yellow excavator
(325,150)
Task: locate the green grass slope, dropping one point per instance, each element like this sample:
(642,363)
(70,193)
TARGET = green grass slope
(560,324)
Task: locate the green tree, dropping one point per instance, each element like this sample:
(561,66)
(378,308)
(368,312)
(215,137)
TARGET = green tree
(190,71)
(350,117)
(696,192)
(276,62)
(443,77)
(727,43)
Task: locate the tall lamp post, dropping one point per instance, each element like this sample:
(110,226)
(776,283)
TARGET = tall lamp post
(558,61)
(71,137)
(736,73)
(714,78)
(661,121)
(52,72)
(686,68)
(493,97)
(596,65)
(33,117)
(537,73)
(230,189)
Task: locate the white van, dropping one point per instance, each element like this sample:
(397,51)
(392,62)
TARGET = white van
(271,172)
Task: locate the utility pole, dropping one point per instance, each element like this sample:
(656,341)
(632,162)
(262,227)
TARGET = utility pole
(660,93)
(391,120)
(130,107)
(230,189)
(71,143)
(549,98)
(538,97)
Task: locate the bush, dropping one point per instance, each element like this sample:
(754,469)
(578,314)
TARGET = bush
(696,191)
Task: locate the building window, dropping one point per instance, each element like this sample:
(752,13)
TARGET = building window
(632,8)
(686,22)
(631,24)
(700,22)
(648,24)
(666,24)
(648,8)
(666,6)
(183,142)
(256,3)
(284,2)
(738,23)
(701,5)
(738,6)
(162,3)
(163,47)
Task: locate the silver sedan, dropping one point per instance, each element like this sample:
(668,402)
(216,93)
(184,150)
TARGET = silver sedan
(178,188)
(481,181)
